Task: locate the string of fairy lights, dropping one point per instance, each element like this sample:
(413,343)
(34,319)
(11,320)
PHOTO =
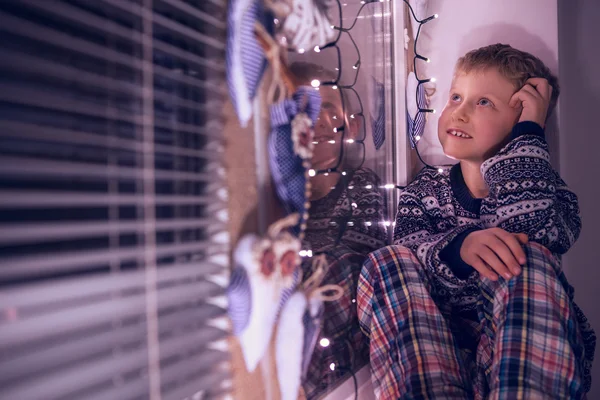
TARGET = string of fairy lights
(337,85)
(343,128)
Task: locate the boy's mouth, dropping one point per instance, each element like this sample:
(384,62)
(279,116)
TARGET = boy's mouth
(458,133)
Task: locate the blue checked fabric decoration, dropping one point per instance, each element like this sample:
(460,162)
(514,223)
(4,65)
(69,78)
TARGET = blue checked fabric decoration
(378,113)
(289,169)
(415,120)
(244,57)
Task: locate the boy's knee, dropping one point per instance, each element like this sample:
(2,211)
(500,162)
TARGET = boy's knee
(401,253)
(538,254)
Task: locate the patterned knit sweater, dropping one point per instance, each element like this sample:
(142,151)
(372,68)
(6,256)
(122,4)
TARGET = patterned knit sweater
(436,211)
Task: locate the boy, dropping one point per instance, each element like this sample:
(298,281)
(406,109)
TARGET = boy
(471,301)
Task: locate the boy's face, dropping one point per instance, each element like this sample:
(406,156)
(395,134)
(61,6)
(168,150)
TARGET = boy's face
(478,108)
(327,151)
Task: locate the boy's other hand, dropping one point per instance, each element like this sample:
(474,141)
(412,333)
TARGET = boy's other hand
(494,252)
(534,98)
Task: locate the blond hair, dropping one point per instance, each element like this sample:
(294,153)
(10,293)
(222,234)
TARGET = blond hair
(515,65)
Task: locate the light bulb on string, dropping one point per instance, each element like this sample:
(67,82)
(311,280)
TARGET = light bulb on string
(315,83)
(324,342)
(440,170)
(350,141)
(332,366)
(317,49)
(301,51)
(389,186)
(311,172)
(417,138)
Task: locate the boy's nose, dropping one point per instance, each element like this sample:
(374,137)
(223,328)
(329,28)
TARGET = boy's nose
(460,114)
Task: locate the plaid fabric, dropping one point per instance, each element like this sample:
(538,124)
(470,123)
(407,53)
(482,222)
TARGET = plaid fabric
(348,348)
(528,339)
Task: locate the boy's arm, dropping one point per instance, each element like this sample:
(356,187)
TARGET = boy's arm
(527,195)
(415,230)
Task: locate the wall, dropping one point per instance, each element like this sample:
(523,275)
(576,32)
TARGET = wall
(579,143)
(467,24)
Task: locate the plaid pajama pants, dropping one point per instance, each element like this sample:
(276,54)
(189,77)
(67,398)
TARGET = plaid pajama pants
(526,340)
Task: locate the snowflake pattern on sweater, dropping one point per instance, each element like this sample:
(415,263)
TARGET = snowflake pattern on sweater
(525,195)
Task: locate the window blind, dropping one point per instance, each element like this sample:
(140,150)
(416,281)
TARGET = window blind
(113,202)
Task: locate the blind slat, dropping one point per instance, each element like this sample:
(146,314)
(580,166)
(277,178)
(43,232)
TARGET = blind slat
(81,288)
(103,345)
(18,199)
(41,67)
(61,384)
(88,316)
(199,375)
(108,27)
(24,130)
(40,33)
(23,266)
(189,10)
(15,233)
(103,341)
(35,97)
(23,166)
(195,36)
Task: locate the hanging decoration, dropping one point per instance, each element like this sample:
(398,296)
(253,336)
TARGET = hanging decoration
(377,113)
(304,23)
(266,272)
(244,56)
(416,100)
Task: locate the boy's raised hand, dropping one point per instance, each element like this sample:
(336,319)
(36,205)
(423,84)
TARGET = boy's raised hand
(494,252)
(534,97)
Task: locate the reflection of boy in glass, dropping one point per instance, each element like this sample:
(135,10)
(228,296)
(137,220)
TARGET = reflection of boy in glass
(347,206)
(345,222)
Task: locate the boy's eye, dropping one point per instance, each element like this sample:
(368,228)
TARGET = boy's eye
(454,97)
(485,102)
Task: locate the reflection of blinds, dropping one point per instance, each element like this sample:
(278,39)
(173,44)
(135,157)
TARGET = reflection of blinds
(113,241)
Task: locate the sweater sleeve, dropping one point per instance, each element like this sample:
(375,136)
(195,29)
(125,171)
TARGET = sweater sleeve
(527,195)
(416,230)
